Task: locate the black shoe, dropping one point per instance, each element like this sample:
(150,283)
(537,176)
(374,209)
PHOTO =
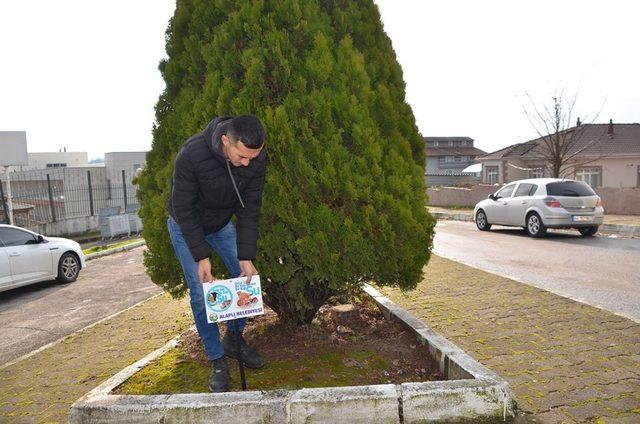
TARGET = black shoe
(250,358)
(219,378)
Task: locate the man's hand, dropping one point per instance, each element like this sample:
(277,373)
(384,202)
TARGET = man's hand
(204,270)
(248,270)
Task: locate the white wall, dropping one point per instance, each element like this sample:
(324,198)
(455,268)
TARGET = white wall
(13,145)
(619,172)
(39,160)
(127,161)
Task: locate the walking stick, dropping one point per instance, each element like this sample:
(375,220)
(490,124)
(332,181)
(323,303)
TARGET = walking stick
(237,336)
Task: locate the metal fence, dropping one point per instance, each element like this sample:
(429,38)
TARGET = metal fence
(42,196)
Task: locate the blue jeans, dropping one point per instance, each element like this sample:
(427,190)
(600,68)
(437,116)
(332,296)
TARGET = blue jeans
(223,242)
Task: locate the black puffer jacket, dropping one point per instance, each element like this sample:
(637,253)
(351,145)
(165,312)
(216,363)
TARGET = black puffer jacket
(203,198)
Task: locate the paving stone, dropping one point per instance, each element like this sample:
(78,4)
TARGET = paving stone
(585,412)
(624,404)
(552,417)
(41,388)
(630,419)
(620,388)
(540,342)
(549,401)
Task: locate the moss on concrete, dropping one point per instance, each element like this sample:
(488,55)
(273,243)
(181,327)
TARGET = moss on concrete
(96,249)
(174,372)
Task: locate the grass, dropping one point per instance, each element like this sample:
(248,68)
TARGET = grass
(111,246)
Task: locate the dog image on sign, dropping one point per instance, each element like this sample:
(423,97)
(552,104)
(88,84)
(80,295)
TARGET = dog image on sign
(233,298)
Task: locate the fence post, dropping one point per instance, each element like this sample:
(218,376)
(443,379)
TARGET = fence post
(53,209)
(124,190)
(90,192)
(4,205)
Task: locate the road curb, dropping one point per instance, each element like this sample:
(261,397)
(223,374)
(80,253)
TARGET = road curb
(616,229)
(452,216)
(119,249)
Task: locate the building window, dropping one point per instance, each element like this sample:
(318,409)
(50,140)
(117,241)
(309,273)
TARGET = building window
(435,144)
(491,174)
(536,173)
(56,165)
(590,176)
(463,143)
(450,143)
(457,158)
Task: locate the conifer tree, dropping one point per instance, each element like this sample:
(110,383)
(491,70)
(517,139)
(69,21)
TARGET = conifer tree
(344,199)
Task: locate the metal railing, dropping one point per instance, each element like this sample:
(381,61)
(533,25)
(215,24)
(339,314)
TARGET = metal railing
(42,196)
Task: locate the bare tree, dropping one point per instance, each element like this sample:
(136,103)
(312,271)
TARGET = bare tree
(561,145)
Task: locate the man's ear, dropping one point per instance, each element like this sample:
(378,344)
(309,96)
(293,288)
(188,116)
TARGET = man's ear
(225,139)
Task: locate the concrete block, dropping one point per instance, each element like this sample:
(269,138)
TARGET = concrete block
(464,401)
(478,394)
(236,407)
(366,404)
(404,317)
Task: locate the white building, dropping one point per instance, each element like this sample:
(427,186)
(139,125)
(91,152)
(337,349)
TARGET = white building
(44,160)
(129,162)
(603,155)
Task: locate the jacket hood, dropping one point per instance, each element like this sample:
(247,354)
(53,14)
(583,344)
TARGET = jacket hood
(212,134)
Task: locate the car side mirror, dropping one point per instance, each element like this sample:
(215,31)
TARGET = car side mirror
(492,196)
(40,238)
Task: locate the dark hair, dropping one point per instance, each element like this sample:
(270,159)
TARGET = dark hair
(247,129)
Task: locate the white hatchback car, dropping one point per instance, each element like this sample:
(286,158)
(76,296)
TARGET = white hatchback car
(541,203)
(27,257)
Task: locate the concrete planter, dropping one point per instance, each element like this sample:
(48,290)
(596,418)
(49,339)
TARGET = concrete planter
(471,393)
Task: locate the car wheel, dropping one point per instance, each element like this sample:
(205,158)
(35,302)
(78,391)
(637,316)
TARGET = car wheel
(535,226)
(481,221)
(588,231)
(68,268)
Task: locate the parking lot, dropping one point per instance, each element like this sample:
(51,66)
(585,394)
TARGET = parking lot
(32,316)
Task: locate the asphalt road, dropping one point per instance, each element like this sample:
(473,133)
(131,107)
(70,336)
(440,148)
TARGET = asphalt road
(32,316)
(600,271)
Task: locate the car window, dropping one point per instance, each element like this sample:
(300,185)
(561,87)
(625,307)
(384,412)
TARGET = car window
(506,191)
(523,190)
(15,237)
(570,189)
(533,190)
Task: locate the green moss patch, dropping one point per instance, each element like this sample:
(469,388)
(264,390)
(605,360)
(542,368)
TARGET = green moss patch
(372,351)
(111,246)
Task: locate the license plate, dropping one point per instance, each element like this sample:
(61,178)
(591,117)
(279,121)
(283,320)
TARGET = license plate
(581,218)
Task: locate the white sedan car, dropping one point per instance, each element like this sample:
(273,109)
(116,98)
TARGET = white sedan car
(541,203)
(27,257)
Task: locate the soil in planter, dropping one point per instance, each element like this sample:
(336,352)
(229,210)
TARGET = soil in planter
(362,349)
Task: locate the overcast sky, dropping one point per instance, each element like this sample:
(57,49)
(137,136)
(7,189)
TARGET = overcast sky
(83,74)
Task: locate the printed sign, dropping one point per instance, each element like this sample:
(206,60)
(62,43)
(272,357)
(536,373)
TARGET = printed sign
(232,299)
